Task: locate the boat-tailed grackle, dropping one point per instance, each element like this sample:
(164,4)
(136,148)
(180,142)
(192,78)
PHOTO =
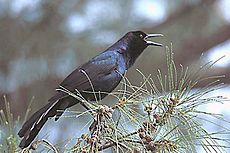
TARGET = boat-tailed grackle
(104,72)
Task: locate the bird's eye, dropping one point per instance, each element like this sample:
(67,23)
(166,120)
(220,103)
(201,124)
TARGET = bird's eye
(141,36)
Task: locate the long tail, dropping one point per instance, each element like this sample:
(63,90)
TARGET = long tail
(31,127)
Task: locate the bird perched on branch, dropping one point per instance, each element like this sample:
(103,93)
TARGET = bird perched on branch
(100,74)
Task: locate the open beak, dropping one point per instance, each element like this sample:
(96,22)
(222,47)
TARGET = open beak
(151,42)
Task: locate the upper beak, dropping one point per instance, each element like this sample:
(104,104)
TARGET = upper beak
(151,42)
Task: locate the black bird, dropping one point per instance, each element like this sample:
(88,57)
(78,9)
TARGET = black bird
(104,72)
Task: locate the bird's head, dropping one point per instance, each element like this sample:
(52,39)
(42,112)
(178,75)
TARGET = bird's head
(139,38)
(134,43)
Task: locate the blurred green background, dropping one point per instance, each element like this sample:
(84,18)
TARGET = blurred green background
(41,42)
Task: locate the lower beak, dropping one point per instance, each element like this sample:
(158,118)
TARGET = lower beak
(151,42)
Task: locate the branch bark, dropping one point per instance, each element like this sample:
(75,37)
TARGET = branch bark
(197,45)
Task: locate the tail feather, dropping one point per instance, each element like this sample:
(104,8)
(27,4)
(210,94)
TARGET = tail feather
(32,133)
(56,107)
(29,123)
(61,110)
(31,128)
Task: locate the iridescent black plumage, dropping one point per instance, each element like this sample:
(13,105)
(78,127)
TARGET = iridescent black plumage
(104,72)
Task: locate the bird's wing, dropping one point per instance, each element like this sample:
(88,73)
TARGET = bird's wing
(97,67)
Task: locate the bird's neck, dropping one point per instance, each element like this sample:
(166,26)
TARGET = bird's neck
(130,59)
(131,54)
(129,51)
